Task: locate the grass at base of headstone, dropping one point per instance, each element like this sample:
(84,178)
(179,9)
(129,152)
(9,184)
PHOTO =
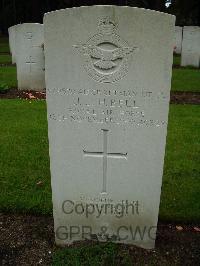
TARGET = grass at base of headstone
(93,254)
(8,76)
(5,58)
(4,46)
(176,59)
(180,199)
(184,79)
(24,161)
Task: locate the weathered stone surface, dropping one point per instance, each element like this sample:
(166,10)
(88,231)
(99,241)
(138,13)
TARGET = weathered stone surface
(178,39)
(30,56)
(191,46)
(11,32)
(108,75)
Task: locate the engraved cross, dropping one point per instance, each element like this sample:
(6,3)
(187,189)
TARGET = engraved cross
(105,154)
(30,63)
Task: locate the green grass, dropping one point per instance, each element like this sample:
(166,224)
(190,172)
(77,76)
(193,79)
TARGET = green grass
(5,58)
(92,255)
(24,161)
(8,76)
(4,46)
(177,60)
(184,79)
(180,199)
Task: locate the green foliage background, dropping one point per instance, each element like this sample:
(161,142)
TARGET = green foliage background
(19,11)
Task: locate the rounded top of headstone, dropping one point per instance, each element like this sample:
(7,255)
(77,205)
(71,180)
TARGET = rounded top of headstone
(29,26)
(191,27)
(108,7)
(14,26)
(28,23)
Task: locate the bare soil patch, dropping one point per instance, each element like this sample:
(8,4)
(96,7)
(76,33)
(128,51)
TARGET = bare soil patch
(185,97)
(14,93)
(176,97)
(29,240)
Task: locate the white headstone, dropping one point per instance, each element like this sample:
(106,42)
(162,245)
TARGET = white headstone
(12,41)
(108,75)
(178,39)
(11,32)
(30,56)
(191,46)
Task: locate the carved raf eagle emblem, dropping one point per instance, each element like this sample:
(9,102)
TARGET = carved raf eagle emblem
(106,56)
(105,59)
